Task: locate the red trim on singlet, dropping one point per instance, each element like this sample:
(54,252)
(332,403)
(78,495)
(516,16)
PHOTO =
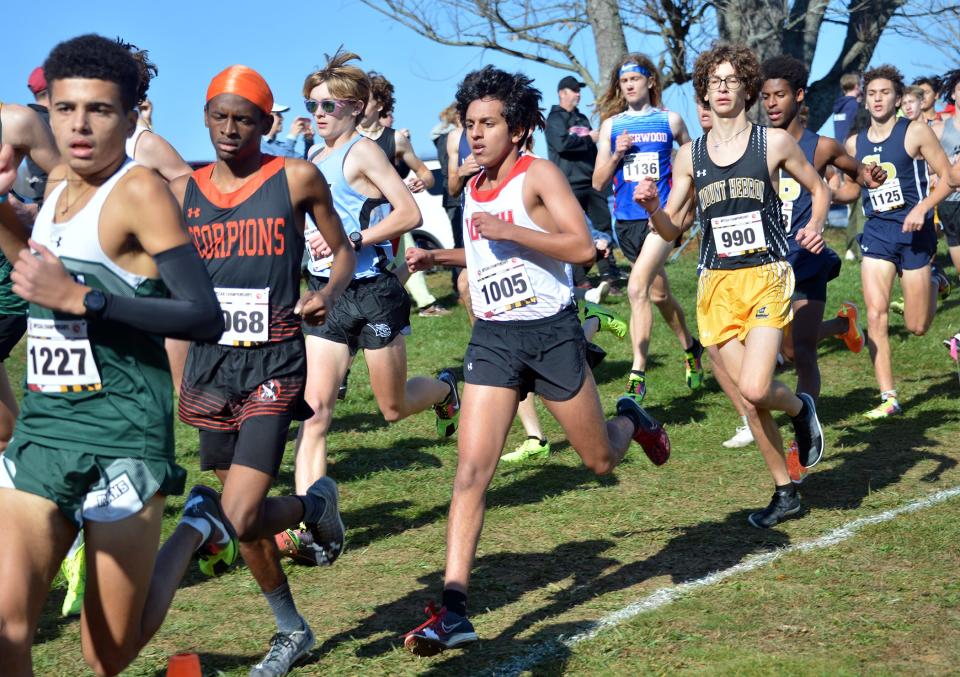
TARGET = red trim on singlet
(269,166)
(487,195)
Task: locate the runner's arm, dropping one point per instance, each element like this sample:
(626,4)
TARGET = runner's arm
(156,153)
(405,214)
(13,236)
(679,128)
(920,140)
(457,174)
(607,160)
(425,259)
(570,243)
(149,214)
(27,131)
(425,176)
(669,222)
(869,175)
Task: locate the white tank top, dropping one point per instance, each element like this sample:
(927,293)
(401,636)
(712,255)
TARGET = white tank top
(131,144)
(509,281)
(79,238)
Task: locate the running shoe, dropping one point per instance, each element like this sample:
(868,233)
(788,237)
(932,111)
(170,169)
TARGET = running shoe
(636,388)
(598,293)
(448,411)
(853,336)
(693,366)
(532,448)
(648,433)
(342,390)
(809,434)
(608,320)
(286,650)
(742,438)
(889,407)
(296,544)
(328,533)
(434,310)
(897,306)
(953,345)
(797,471)
(74,570)
(442,630)
(942,282)
(219,552)
(784,504)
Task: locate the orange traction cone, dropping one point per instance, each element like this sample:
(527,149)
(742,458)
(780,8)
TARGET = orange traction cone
(184,665)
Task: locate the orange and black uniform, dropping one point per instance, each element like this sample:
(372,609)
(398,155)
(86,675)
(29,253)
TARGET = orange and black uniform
(253,380)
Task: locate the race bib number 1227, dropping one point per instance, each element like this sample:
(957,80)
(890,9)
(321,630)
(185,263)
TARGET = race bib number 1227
(60,357)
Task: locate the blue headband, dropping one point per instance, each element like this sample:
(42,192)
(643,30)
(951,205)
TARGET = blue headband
(631,67)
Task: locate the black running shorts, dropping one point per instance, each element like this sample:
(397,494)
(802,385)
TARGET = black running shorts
(631,234)
(369,314)
(949,213)
(12,329)
(546,356)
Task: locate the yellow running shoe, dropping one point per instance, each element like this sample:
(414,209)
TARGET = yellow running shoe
(74,569)
(530,449)
(889,407)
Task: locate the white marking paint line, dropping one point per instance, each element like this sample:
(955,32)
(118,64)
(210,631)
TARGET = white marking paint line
(665,596)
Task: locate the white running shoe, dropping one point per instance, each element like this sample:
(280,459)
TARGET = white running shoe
(598,293)
(742,438)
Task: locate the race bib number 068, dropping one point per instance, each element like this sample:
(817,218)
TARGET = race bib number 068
(246,313)
(738,234)
(60,357)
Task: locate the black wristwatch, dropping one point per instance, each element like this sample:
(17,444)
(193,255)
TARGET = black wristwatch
(95,302)
(356,239)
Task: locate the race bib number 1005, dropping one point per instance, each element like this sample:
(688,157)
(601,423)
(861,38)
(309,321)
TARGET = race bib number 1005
(60,357)
(246,313)
(503,286)
(738,234)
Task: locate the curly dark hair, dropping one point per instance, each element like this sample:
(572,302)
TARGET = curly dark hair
(949,83)
(885,72)
(97,58)
(931,80)
(520,99)
(382,91)
(148,69)
(744,63)
(787,68)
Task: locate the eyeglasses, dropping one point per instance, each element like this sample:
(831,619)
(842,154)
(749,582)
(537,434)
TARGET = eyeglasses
(328,106)
(731,82)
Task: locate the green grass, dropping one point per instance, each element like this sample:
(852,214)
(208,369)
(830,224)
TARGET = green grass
(562,547)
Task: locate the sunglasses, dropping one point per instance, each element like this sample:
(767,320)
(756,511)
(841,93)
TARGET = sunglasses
(328,106)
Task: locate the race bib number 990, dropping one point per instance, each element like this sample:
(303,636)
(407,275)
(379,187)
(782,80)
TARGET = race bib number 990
(886,197)
(60,357)
(503,286)
(738,234)
(638,166)
(246,313)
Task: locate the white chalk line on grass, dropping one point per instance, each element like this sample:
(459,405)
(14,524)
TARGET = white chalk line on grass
(664,596)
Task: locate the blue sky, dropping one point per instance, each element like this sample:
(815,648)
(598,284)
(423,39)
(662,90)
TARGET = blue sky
(191,42)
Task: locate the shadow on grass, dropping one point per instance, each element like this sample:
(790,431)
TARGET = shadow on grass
(583,571)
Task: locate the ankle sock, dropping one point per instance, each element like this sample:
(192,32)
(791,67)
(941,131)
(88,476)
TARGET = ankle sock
(284,609)
(455,601)
(789,489)
(313,507)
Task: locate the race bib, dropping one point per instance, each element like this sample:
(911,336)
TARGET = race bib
(787,211)
(886,197)
(60,357)
(638,166)
(738,234)
(503,286)
(246,313)
(317,266)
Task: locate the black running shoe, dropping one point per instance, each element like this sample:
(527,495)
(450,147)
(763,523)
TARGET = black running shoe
(808,433)
(784,504)
(342,390)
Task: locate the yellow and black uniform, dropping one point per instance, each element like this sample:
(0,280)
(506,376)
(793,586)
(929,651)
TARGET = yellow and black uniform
(745,280)
(253,379)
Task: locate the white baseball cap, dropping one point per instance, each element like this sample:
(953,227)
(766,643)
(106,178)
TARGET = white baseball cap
(279,108)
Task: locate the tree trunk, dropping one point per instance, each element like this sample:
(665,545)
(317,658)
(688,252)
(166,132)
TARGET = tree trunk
(611,45)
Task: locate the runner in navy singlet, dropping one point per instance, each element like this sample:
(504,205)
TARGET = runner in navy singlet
(899,236)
